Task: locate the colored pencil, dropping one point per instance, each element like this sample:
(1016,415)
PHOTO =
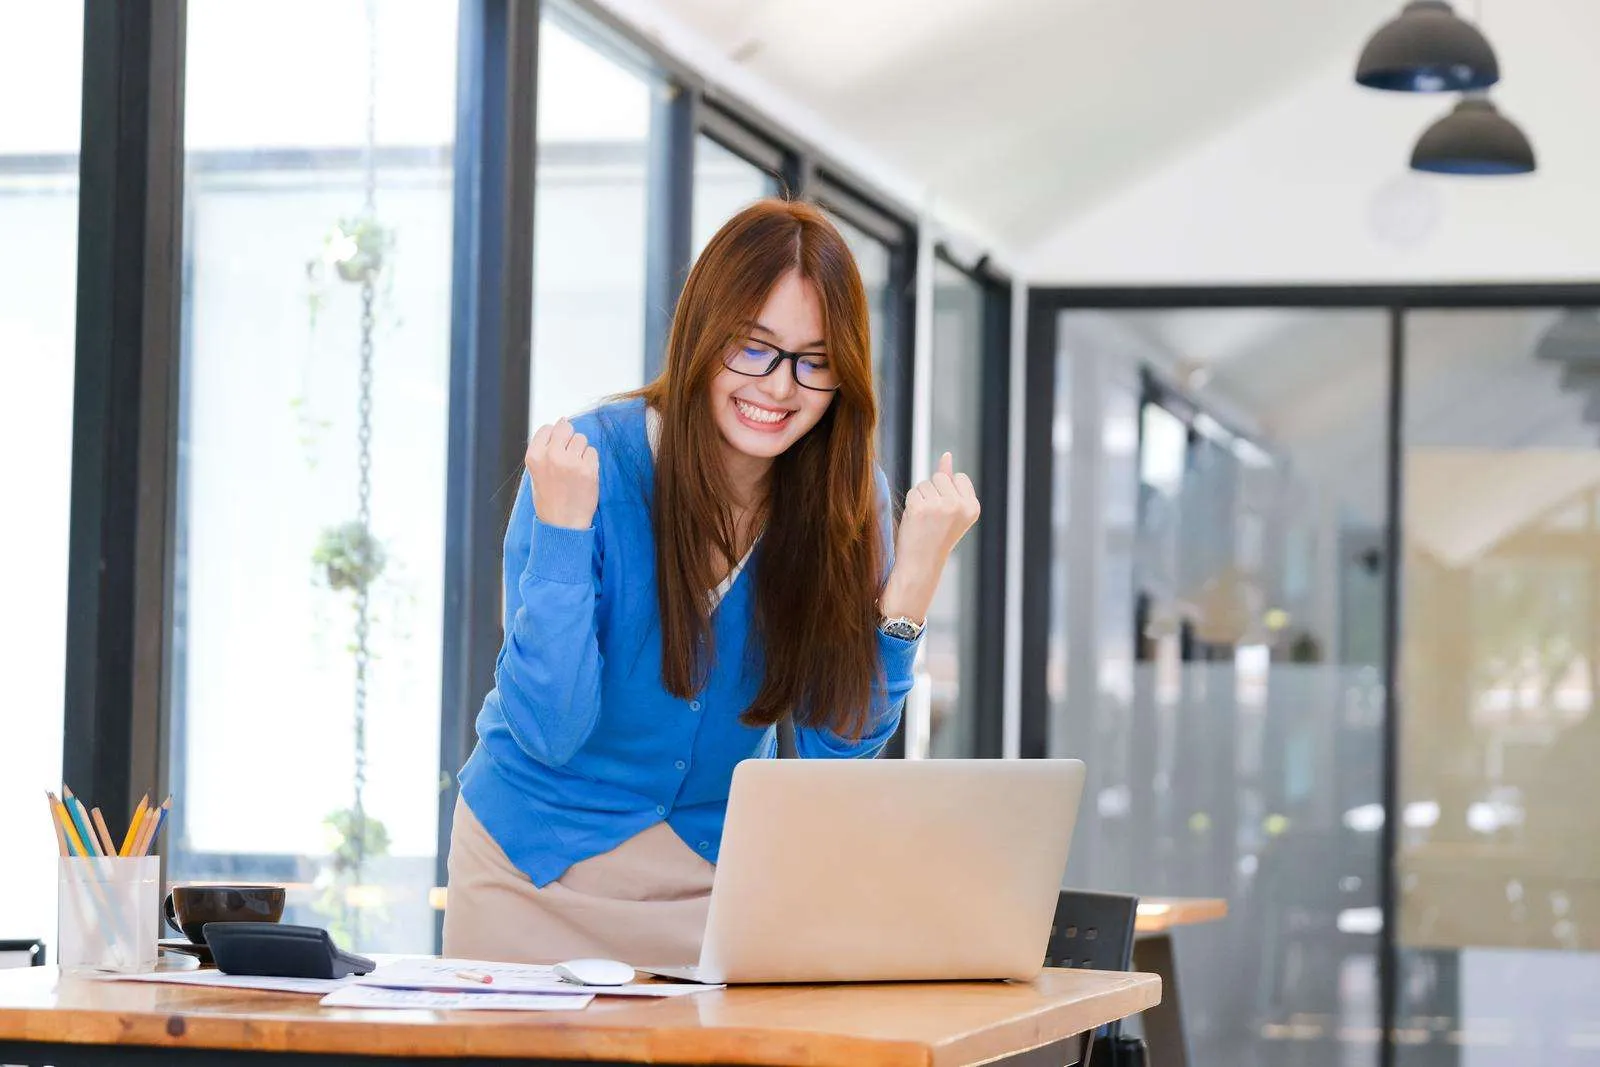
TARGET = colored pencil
(145,826)
(61,836)
(141,844)
(161,823)
(103,833)
(133,826)
(65,832)
(153,824)
(81,819)
(65,819)
(106,917)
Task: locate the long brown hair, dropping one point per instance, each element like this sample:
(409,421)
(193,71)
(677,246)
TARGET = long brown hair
(817,572)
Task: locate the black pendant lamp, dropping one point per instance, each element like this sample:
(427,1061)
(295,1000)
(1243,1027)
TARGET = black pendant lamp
(1474,138)
(1427,49)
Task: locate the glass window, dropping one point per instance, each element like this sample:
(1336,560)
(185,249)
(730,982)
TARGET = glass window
(1499,874)
(41,62)
(875,260)
(724,183)
(1211,663)
(956,427)
(305,714)
(590,228)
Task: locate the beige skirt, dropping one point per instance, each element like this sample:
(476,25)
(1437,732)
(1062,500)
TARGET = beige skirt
(644,902)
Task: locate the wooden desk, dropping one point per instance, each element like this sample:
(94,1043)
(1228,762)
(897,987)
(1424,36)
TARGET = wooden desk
(46,1018)
(1158,915)
(1152,951)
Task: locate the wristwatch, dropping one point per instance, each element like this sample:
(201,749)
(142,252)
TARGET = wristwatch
(901,627)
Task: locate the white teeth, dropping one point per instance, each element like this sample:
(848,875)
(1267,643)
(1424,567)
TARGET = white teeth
(755,414)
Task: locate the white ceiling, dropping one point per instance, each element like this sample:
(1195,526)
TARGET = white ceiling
(1128,141)
(1026,112)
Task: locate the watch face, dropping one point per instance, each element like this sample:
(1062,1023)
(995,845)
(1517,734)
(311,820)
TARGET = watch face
(901,628)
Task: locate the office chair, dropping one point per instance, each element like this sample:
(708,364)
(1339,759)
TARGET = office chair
(21,953)
(1094,931)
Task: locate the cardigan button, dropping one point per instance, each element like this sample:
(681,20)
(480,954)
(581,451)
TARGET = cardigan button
(661,809)
(694,705)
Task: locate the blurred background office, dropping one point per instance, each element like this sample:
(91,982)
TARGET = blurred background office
(1286,440)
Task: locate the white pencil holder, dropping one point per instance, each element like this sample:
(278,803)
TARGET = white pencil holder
(109,917)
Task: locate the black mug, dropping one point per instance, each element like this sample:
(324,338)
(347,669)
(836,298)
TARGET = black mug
(189,907)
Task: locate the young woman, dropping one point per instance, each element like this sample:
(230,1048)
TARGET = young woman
(683,569)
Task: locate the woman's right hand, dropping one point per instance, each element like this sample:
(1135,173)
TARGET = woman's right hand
(566,476)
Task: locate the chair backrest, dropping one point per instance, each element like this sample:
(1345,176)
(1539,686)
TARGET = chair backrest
(21,953)
(1092,930)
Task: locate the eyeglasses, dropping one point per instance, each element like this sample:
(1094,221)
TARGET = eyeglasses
(757,359)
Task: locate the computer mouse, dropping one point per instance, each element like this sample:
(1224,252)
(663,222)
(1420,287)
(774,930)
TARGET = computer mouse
(594,972)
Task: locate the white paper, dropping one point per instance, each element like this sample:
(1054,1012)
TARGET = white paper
(357,996)
(440,975)
(217,979)
(655,989)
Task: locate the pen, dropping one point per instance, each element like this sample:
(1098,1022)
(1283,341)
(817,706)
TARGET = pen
(476,976)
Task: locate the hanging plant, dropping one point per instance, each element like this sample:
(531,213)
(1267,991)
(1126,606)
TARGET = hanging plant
(353,837)
(349,557)
(360,244)
(356,249)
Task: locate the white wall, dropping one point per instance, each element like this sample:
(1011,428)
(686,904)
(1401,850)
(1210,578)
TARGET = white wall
(1314,187)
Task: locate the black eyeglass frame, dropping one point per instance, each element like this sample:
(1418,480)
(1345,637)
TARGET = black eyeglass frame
(782,354)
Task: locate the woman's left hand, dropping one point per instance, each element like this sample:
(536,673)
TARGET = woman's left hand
(938,514)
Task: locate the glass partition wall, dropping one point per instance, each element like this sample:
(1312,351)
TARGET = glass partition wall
(1227,600)
(1203,657)
(1498,852)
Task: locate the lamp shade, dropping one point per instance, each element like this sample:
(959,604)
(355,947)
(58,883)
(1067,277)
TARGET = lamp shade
(1474,138)
(1427,49)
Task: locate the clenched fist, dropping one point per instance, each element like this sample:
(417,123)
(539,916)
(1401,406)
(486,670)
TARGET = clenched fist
(566,476)
(938,514)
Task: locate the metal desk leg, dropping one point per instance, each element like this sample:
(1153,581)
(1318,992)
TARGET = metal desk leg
(1163,1024)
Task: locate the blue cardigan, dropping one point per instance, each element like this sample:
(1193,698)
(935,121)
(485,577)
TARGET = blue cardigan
(579,746)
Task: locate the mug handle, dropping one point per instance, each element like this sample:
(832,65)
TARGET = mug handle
(171,916)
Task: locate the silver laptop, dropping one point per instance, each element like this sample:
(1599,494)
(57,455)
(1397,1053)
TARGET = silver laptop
(887,870)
